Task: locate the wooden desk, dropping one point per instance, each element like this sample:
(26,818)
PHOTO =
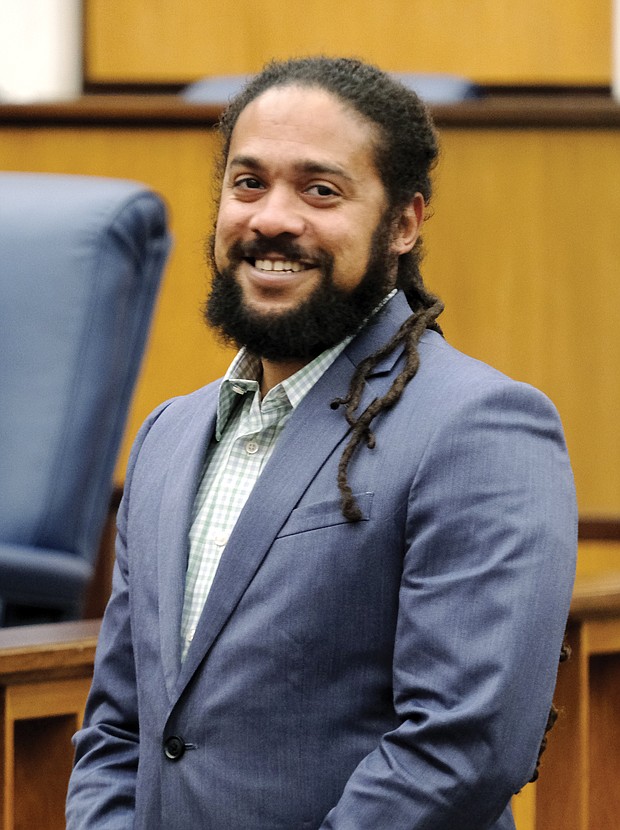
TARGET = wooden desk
(580,774)
(45,674)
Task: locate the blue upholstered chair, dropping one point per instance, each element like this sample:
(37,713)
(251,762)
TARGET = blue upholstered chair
(80,264)
(432,87)
(217,90)
(439,87)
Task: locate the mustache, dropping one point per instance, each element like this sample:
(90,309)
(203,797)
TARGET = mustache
(284,246)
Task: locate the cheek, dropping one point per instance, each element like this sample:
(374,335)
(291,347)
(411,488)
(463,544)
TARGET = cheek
(351,257)
(219,247)
(227,231)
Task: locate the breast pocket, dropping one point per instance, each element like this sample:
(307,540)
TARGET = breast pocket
(323,514)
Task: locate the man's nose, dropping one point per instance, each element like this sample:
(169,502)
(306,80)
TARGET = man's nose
(277,212)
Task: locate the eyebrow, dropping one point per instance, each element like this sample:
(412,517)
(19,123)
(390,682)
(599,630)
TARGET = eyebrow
(316,168)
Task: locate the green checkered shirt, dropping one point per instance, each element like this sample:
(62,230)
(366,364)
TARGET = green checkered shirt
(245,437)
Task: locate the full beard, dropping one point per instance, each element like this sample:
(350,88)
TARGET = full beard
(326,317)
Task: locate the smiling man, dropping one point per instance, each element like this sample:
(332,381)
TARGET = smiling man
(306,244)
(344,570)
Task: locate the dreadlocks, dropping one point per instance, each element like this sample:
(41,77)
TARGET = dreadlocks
(408,335)
(406,151)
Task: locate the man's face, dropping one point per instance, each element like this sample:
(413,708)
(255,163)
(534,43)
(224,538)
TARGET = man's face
(302,222)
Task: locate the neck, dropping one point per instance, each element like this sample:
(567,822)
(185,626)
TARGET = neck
(276,372)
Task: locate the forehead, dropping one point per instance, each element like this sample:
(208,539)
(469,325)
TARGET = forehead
(293,122)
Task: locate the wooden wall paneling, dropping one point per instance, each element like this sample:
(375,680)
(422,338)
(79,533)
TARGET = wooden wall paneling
(524,808)
(604,737)
(523,248)
(152,41)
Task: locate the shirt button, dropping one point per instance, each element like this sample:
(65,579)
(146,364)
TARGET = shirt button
(251,447)
(220,540)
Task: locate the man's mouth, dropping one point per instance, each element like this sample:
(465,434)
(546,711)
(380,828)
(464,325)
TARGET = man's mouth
(293,266)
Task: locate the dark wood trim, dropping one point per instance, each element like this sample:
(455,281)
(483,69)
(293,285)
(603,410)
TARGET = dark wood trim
(120,111)
(579,111)
(54,651)
(531,112)
(599,529)
(596,596)
(115,498)
(100,587)
(519,90)
(132,88)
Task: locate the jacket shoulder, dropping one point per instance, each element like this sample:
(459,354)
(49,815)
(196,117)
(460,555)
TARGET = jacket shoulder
(453,373)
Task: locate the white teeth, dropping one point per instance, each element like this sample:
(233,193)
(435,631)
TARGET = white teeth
(278,265)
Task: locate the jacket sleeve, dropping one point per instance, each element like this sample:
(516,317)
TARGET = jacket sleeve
(485,592)
(101,790)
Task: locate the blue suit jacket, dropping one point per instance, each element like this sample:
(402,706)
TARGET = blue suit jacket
(390,674)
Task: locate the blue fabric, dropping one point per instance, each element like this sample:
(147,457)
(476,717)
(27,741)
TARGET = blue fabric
(217,90)
(433,87)
(80,264)
(393,674)
(439,88)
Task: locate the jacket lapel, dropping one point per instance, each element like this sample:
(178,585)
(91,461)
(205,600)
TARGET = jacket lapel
(182,479)
(312,434)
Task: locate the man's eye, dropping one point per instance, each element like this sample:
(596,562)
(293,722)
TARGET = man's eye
(322,190)
(248,183)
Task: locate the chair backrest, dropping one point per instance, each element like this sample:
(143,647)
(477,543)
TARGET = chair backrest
(432,87)
(439,87)
(80,264)
(217,90)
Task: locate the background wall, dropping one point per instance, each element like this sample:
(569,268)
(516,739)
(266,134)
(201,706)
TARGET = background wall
(491,41)
(523,245)
(524,249)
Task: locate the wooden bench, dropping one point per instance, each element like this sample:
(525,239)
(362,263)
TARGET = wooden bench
(578,787)
(45,674)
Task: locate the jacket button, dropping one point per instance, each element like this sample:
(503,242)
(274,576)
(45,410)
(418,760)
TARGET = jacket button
(174,748)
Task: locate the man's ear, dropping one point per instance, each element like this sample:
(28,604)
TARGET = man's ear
(407,225)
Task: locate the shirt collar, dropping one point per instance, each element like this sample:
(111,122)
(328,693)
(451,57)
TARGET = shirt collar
(244,374)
